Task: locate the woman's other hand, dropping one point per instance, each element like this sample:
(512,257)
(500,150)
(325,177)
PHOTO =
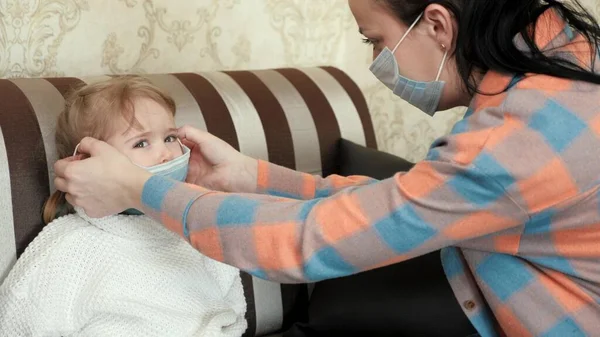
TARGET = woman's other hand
(216,165)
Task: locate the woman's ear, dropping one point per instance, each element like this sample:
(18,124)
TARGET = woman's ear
(440,25)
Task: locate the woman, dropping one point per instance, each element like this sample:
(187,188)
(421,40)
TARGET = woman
(511,196)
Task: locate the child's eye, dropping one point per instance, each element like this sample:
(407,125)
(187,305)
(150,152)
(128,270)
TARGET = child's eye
(141,144)
(171,139)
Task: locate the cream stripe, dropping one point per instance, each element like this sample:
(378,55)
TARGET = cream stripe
(94,79)
(188,111)
(268,305)
(47,102)
(351,127)
(246,121)
(302,126)
(8,246)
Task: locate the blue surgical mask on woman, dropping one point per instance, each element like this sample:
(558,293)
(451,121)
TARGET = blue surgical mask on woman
(423,95)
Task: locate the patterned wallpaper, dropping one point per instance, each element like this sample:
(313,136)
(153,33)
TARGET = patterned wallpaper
(93,37)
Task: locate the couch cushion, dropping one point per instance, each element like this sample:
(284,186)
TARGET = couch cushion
(292,117)
(383,302)
(355,159)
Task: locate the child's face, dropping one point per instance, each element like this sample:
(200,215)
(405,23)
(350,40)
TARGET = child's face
(155,143)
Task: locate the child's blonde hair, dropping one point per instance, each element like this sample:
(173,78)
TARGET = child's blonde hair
(93,111)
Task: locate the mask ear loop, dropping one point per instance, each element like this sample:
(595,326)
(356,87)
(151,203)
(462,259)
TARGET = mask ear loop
(76,148)
(443,63)
(181,145)
(407,31)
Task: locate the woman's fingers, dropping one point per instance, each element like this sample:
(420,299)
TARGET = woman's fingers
(70,199)
(192,135)
(94,147)
(60,167)
(61,184)
(188,143)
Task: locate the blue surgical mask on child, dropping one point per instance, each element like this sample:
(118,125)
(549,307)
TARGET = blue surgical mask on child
(175,169)
(423,95)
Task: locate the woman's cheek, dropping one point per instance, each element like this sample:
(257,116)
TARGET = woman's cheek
(376,51)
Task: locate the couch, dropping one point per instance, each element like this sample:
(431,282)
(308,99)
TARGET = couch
(291,117)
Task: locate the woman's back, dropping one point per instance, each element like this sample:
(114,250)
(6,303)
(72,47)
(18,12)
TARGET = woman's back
(530,147)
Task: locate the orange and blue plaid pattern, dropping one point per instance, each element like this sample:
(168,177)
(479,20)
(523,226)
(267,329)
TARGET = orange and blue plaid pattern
(511,197)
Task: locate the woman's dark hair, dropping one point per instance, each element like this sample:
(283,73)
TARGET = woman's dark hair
(486,29)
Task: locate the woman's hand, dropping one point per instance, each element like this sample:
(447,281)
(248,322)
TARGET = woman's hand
(106,183)
(216,165)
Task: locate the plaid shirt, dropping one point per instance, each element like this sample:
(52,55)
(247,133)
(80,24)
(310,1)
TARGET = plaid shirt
(511,197)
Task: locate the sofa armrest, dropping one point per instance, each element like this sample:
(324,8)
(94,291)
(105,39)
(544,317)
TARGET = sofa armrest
(354,159)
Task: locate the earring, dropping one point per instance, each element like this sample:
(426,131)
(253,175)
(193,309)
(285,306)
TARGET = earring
(443,46)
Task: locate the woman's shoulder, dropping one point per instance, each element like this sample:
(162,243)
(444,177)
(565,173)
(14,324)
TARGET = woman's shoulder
(542,104)
(532,96)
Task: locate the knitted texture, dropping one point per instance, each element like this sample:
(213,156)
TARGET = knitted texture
(118,276)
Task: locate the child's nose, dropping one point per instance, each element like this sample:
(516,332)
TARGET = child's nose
(165,155)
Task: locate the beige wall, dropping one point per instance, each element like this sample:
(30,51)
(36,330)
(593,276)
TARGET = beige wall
(92,37)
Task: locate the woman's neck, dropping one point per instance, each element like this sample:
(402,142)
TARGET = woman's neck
(465,97)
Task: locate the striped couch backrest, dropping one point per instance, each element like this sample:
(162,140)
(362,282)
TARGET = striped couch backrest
(291,117)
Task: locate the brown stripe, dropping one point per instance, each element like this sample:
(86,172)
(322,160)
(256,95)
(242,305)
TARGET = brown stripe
(65,84)
(359,102)
(328,130)
(26,162)
(214,110)
(250,316)
(280,146)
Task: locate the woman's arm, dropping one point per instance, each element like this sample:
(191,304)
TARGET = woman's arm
(437,204)
(218,166)
(280,181)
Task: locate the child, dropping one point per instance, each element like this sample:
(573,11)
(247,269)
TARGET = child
(123,275)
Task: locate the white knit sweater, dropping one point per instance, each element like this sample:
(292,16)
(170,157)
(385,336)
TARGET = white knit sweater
(118,276)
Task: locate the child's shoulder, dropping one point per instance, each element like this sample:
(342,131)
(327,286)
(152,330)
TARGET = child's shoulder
(64,225)
(65,228)
(60,238)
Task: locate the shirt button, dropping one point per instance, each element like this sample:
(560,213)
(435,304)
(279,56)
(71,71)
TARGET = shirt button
(469,305)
